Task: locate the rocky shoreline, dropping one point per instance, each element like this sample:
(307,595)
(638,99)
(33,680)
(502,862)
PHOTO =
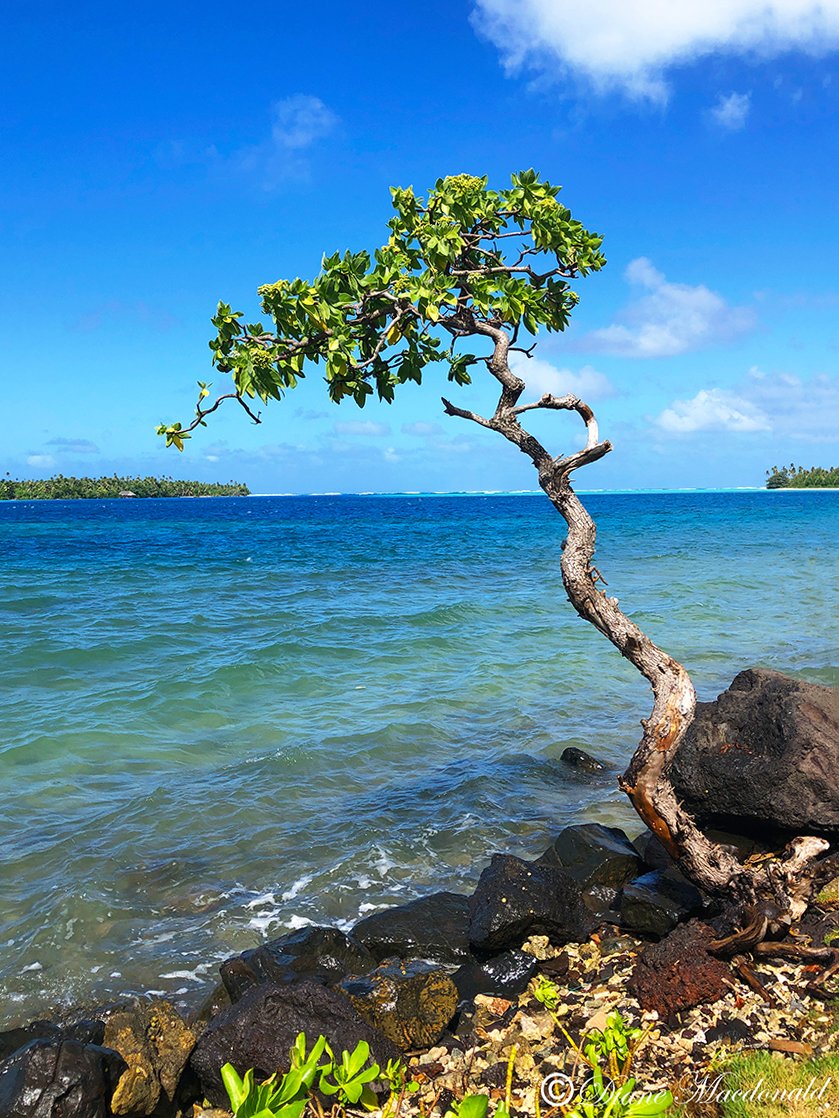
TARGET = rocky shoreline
(454,986)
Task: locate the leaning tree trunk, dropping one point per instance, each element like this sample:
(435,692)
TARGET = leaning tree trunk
(768,896)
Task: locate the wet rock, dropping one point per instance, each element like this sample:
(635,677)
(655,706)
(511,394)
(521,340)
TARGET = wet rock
(434,927)
(656,902)
(155,1043)
(764,755)
(409,1003)
(12,1039)
(259,1030)
(318,954)
(679,973)
(601,858)
(503,976)
(580,760)
(516,899)
(217,1000)
(85,1031)
(58,1078)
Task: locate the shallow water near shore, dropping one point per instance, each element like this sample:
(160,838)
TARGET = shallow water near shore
(224,719)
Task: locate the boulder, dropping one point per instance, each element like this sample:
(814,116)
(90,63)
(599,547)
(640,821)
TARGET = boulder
(259,1030)
(601,859)
(85,1031)
(517,899)
(58,1078)
(155,1043)
(435,927)
(580,760)
(679,973)
(764,755)
(318,954)
(409,1003)
(656,902)
(504,976)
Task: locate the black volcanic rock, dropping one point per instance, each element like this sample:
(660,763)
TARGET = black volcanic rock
(434,927)
(764,755)
(58,1078)
(320,954)
(260,1029)
(516,899)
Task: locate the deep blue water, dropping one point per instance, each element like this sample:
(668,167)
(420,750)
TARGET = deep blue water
(225,718)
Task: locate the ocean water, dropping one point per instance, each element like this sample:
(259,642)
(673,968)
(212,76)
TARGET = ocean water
(226,718)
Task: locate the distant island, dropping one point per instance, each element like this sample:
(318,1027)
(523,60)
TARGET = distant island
(796,477)
(61,488)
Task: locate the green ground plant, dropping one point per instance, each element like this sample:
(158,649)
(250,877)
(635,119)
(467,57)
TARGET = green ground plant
(347,1080)
(765,1085)
(609,1090)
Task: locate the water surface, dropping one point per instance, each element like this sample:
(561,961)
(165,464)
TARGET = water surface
(226,718)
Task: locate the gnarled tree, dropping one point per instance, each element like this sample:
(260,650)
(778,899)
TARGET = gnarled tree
(489,269)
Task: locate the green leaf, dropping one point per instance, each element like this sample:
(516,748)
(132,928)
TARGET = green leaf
(234,1086)
(650,1108)
(473,1106)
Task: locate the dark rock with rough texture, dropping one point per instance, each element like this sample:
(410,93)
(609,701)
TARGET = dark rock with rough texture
(679,973)
(216,1000)
(764,754)
(58,1078)
(601,858)
(259,1030)
(434,927)
(656,902)
(580,760)
(517,899)
(318,954)
(409,1003)
(85,1031)
(503,976)
(155,1043)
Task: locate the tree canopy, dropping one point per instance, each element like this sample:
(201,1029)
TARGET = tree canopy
(797,477)
(460,264)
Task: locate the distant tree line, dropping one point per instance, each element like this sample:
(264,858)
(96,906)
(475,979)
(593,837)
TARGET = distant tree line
(70,488)
(796,477)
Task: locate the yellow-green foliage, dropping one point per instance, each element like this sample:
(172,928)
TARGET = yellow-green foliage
(458,265)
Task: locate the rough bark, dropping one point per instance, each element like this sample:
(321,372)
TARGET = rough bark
(771,894)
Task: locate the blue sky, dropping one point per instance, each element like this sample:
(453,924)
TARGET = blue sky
(156,160)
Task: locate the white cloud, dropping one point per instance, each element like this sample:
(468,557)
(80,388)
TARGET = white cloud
(786,405)
(713,410)
(40,461)
(297,124)
(362,427)
(301,120)
(730,113)
(672,318)
(540,377)
(631,44)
